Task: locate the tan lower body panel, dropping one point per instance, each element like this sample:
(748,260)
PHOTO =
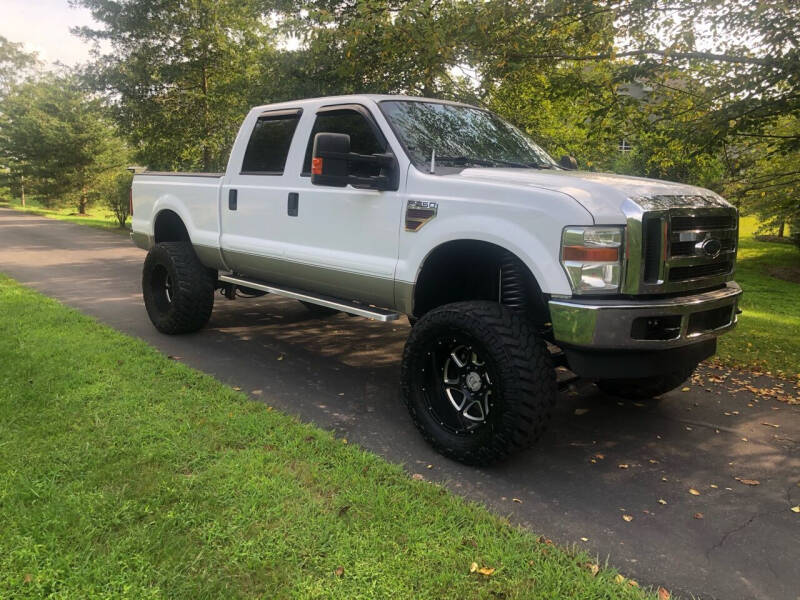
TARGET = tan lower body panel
(340,284)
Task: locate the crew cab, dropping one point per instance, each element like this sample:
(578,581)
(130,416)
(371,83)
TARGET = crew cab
(506,262)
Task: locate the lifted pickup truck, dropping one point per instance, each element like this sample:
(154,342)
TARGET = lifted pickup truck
(506,264)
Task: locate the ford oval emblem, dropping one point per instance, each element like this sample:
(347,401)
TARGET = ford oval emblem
(712,247)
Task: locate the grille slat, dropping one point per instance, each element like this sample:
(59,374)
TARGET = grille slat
(694,222)
(687,248)
(695,271)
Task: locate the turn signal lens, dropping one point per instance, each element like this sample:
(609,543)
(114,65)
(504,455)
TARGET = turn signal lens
(316,166)
(585,254)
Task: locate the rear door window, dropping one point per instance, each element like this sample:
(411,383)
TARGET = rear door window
(269,144)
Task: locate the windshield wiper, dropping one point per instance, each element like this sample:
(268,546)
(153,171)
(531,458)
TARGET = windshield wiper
(465,160)
(490,162)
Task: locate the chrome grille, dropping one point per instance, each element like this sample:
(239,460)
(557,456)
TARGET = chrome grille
(673,247)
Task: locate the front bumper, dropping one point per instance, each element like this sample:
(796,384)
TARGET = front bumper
(615,324)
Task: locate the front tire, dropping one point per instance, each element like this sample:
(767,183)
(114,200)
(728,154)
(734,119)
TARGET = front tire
(178,290)
(478,381)
(644,388)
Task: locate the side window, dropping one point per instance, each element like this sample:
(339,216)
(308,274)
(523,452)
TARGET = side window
(269,144)
(362,136)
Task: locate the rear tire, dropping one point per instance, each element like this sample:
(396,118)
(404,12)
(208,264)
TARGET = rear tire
(478,381)
(319,310)
(644,388)
(178,290)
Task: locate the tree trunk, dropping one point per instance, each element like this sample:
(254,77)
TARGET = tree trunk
(22,189)
(83,201)
(206,150)
(781,229)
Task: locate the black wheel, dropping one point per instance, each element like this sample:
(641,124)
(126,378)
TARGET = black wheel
(478,381)
(178,290)
(643,388)
(318,309)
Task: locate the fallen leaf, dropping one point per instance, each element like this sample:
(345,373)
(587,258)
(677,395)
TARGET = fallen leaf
(694,492)
(237,388)
(430,466)
(662,501)
(685,389)
(28,577)
(747,481)
(623,466)
(593,568)
(664,479)
(652,461)
(599,456)
(584,539)
(663,594)
(517,500)
(581,411)
(619,579)
(343,510)
(771,425)
(627,518)
(280,357)
(174,357)
(339,571)
(714,485)
(473,567)
(698,515)
(417,476)
(796,509)
(632,583)
(486,571)
(256,392)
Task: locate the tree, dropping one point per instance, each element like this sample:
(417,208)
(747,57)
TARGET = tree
(181,75)
(59,138)
(15,63)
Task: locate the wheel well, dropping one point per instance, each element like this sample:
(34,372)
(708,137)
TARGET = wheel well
(169,228)
(475,270)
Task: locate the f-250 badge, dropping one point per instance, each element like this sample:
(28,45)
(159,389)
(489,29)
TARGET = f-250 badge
(418,213)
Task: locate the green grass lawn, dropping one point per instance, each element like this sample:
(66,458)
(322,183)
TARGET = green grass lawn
(99,217)
(768,335)
(124,474)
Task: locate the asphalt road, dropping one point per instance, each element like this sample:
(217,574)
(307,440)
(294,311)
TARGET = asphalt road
(342,374)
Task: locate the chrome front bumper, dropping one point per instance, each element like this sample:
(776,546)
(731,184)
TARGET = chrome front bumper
(617,324)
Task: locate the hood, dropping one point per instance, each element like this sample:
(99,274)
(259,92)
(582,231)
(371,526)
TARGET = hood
(602,194)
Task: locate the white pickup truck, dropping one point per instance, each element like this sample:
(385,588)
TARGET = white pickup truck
(506,263)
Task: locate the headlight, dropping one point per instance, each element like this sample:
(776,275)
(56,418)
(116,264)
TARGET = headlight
(592,258)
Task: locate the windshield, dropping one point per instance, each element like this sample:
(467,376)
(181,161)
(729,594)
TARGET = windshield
(461,136)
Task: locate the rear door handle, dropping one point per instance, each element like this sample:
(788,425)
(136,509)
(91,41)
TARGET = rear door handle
(293,205)
(233,198)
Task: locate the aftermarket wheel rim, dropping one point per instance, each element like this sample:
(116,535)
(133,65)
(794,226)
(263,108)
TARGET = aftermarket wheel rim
(162,288)
(460,384)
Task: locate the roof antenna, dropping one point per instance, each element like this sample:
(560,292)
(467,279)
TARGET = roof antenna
(433,161)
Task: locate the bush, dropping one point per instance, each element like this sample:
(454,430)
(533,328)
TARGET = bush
(117,196)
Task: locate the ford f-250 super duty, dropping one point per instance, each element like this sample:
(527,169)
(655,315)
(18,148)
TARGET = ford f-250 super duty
(506,264)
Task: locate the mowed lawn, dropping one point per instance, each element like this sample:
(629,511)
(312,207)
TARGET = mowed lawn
(768,335)
(124,474)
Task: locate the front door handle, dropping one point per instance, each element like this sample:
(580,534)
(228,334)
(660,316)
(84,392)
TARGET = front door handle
(293,205)
(232,199)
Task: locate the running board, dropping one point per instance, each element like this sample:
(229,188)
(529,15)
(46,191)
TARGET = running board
(352,308)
